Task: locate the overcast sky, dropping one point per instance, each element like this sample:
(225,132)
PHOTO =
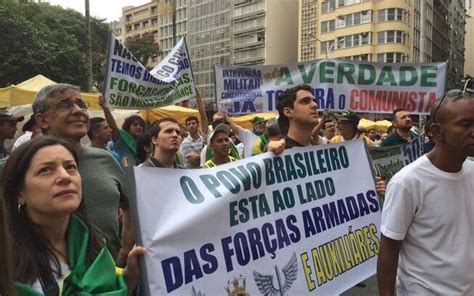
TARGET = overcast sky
(110,10)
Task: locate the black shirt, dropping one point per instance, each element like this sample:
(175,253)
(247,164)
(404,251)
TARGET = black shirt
(290,143)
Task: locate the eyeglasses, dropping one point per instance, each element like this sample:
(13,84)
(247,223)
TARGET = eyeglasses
(453,93)
(67,105)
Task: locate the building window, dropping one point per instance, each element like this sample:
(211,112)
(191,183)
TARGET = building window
(353,40)
(361,57)
(328,26)
(325,45)
(391,37)
(354,19)
(391,14)
(328,6)
(390,57)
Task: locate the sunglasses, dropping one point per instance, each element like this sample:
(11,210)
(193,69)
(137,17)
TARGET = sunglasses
(453,93)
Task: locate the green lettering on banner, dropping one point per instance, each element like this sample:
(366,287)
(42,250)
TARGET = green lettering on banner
(242,210)
(307,77)
(386,76)
(404,81)
(211,184)
(285,76)
(428,73)
(363,69)
(263,207)
(190,190)
(326,68)
(345,70)
(233,213)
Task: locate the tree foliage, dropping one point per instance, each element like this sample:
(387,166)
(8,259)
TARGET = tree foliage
(143,47)
(49,40)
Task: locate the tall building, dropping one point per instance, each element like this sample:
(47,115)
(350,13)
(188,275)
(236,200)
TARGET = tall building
(209,39)
(392,31)
(138,20)
(440,50)
(264,32)
(457,22)
(117,28)
(166,23)
(469,61)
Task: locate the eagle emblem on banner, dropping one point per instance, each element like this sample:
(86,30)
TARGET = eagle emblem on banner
(265,282)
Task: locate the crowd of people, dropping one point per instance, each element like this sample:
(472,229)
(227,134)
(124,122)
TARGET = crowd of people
(65,208)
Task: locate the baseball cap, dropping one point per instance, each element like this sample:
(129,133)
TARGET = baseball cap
(348,116)
(6,115)
(257,119)
(220,128)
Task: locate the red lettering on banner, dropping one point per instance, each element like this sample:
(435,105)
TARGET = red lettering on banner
(386,101)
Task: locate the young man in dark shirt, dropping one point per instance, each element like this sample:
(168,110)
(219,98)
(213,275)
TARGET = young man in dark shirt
(166,138)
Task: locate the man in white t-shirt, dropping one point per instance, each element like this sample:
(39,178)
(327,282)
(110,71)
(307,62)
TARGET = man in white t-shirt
(428,216)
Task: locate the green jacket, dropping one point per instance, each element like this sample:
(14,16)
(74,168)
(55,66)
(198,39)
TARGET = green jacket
(97,278)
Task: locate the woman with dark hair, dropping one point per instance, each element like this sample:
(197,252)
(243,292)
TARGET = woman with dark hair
(55,248)
(6,280)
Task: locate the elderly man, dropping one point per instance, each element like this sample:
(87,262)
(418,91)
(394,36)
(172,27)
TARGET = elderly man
(7,129)
(428,215)
(60,111)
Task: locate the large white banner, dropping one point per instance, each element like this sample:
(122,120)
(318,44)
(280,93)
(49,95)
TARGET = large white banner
(129,85)
(339,85)
(305,222)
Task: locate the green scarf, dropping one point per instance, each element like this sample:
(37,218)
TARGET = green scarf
(129,140)
(98,278)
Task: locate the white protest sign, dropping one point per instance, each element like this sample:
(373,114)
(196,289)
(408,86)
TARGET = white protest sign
(129,85)
(305,222)
(338,85)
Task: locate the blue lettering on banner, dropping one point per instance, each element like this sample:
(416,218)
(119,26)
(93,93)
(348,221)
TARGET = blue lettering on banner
(412,150)
(192,267)
(259,241)
(334,213)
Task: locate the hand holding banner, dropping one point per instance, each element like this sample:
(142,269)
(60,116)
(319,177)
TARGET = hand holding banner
(129,85)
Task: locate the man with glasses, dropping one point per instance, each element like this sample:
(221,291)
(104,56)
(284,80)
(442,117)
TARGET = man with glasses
(60,111)
(428,215)
(402,134)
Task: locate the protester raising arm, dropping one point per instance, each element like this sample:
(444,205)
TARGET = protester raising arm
(109,118)
(202,114)
(316,138)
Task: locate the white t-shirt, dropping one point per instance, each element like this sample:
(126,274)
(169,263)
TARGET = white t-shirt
(22,139)
(432,212)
